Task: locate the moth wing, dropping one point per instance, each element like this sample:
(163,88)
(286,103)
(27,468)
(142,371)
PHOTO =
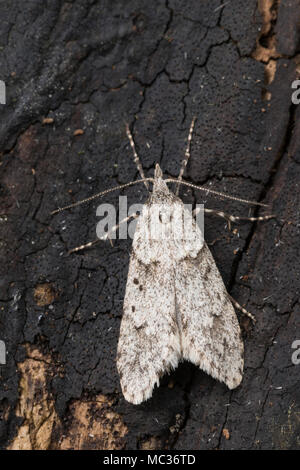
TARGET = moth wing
(210,332)
(149,342)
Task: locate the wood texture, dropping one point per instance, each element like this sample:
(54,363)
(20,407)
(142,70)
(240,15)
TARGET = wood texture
(75,72)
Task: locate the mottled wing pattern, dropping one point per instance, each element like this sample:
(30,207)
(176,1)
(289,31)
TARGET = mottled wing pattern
(176,305)
(210,332)
(149,342)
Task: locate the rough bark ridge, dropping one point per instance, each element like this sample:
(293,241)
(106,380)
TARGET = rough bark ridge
(93,65)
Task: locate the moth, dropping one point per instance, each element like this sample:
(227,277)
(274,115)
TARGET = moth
(176,306)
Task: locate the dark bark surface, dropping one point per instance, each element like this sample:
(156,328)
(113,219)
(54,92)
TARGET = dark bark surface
(93,65)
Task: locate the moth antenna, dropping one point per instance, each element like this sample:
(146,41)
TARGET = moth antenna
(88,199)
(216,193)
(186,156)
(136,157)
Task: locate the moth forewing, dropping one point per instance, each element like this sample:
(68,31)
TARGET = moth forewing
(209,328)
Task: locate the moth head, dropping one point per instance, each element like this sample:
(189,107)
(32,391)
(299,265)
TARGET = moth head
(157,172)
(160,191)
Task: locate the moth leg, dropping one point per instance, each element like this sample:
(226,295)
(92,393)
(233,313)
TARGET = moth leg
(106,236)
(186,156)
(136,157)
(232,218)
(83,247)
(242,309)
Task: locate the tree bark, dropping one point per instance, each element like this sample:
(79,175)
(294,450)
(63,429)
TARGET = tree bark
(75,72)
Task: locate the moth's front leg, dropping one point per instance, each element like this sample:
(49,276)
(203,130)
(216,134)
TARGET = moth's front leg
(232,218)
(106,236)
